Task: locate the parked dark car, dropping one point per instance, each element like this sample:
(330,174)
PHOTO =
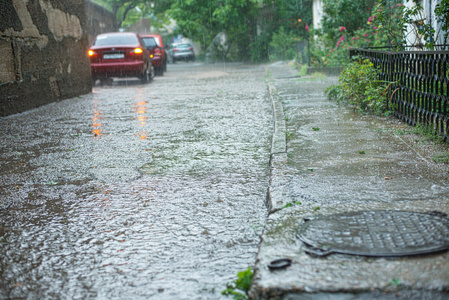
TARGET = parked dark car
(157,53)
(181,51)
(120,55)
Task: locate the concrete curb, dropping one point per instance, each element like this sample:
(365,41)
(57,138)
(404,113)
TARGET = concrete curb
(279,144)
(278,157)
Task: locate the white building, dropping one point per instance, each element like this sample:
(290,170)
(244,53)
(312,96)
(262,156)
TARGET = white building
(427,16)
(317,13)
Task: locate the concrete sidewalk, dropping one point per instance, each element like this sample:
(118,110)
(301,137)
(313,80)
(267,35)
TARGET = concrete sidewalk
(325,160)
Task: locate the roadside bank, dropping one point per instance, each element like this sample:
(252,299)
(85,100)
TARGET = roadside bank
(338,162)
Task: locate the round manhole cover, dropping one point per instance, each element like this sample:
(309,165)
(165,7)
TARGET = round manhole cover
(376,233)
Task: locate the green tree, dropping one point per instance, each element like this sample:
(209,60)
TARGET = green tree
(249,25)
(202,20)
(123,9)
(351,14)
(293,15)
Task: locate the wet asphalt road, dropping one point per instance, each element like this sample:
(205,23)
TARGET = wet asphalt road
(137,191)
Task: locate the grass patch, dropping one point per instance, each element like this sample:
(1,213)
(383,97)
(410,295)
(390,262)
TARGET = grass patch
(441,158)
(302,70)
(319,75)
(428,133)
(290,204)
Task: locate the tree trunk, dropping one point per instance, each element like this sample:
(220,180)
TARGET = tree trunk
(127,9)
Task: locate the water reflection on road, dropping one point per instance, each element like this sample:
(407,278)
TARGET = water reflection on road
(137,191)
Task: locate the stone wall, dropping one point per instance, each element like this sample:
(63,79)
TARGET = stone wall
(43,59)
(99,20)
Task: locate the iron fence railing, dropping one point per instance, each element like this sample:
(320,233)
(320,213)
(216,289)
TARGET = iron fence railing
(419,92)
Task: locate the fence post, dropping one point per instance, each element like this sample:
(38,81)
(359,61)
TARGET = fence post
(308,52)
(390,77)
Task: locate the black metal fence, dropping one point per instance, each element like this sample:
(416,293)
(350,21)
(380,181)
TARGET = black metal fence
(419,93)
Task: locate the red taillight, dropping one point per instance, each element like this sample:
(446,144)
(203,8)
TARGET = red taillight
(92,54)
(175,50)
(191,48)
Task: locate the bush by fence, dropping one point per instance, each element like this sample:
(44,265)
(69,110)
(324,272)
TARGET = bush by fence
(419,94)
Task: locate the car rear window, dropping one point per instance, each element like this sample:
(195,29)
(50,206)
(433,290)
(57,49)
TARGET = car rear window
(158,42)
(183,46)
(116,40)
(149,42)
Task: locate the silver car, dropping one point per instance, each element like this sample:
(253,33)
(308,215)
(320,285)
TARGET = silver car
(181,51)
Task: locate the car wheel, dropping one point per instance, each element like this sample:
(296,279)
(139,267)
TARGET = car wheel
(152,73)
(160,71)
(145,77)
(165,65)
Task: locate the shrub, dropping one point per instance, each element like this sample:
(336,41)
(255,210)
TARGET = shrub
(282,46)
(360,87)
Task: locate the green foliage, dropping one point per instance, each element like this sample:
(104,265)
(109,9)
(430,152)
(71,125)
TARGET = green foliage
(302,70)
(293,15)
(390,22)
(251,27)
(359,24)
(290,204)
(282,45)
(360,87)
(334,93)
(258,46)
(240,287)
(127,11)
(351,14)
(395,282)
(202,20)
(326,53)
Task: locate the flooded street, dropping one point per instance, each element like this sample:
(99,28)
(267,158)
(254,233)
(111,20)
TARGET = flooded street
(137,191)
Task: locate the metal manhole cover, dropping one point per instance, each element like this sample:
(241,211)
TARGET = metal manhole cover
(376,233)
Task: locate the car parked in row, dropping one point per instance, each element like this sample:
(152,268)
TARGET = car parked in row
(120,54)
(181,51)
(155,45)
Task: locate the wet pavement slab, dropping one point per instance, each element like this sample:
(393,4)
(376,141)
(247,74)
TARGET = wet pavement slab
(137,191)
(329,160)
